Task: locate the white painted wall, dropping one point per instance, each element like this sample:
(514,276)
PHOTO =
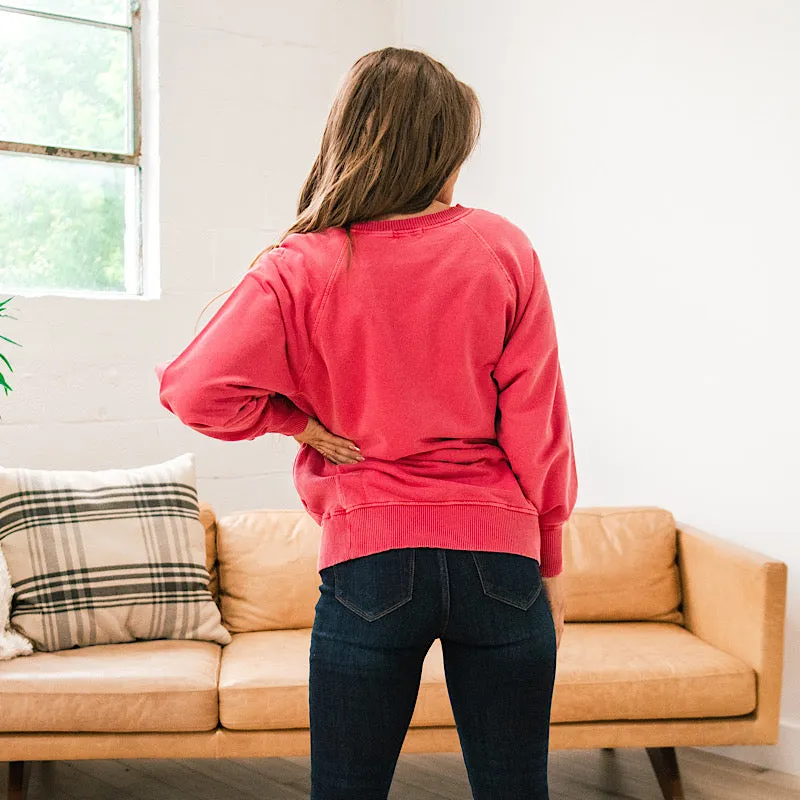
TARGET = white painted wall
(650,150)
(647,148)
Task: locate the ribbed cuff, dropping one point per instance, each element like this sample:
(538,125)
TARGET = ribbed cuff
(550,563)
(282,416)
(295,423)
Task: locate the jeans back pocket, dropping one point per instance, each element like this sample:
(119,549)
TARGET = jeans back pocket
(372,586)
(509,577)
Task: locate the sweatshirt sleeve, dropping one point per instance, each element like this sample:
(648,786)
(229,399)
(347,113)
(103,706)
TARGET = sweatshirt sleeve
(534,427)
(232,380)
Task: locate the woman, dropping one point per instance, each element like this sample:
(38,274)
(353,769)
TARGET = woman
(389,319)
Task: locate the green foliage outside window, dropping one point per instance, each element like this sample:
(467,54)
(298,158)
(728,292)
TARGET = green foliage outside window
(64,222)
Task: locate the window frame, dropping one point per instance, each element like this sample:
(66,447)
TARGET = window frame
(134,283)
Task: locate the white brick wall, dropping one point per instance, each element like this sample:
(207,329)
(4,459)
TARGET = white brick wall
(245,87)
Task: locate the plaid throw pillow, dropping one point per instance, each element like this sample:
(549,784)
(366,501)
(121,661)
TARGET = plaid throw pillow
(107,556)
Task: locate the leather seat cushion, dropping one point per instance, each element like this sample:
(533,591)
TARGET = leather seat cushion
(605,671)
(157,685)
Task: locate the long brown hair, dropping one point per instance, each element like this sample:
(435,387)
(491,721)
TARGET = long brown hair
(399,127)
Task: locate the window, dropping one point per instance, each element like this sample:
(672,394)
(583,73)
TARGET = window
(70,145)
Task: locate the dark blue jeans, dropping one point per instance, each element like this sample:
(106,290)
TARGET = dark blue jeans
(376,618)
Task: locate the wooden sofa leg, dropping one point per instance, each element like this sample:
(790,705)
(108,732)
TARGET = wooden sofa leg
(665,765)
(17,783)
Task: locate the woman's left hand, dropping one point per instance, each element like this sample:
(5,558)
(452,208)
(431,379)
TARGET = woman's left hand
(334,448)
(555,590)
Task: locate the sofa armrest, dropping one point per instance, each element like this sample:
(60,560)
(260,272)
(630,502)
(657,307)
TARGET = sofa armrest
(735,599)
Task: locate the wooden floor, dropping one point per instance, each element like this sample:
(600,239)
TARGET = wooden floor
(574,775)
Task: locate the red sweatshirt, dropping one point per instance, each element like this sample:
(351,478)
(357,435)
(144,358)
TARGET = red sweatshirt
(435,352)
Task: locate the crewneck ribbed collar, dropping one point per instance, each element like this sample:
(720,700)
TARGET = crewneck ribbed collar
(413,223)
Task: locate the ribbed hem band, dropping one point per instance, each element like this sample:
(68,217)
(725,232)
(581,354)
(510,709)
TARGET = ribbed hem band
(458,526)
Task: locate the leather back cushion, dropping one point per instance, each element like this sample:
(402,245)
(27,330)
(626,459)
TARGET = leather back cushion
(619,565)
(268,577)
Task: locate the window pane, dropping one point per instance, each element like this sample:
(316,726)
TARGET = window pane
(115,11)
(64,84)
(63,224)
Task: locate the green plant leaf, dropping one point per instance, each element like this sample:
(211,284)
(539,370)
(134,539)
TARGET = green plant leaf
(3,313)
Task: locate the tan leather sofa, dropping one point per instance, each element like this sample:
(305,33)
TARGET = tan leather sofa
(674,638)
